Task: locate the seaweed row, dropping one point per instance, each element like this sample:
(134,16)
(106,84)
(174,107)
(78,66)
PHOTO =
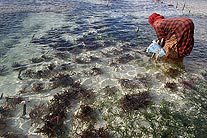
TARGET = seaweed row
(57,110)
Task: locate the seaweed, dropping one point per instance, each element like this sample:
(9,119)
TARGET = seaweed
(172,72)
(37,60)
(37,113)
(94,71)
(13,101)
(12,135)
(63,80)
(171,85)
(3,70)
(38,86)
(62,55)
(132,102)
(18,66)
(45,73)
(130,84)
(110,91)
(53,124)
(145,80)
(124,59)
(95,133)
(86,60)
(111,53)
(165,121)
(57,110)
(86,113)
(3,123)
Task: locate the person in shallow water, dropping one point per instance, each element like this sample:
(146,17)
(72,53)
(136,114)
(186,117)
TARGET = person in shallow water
(178,35)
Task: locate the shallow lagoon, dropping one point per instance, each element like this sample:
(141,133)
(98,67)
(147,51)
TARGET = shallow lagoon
(91,52)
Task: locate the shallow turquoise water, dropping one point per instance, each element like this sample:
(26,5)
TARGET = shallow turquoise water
(64,31)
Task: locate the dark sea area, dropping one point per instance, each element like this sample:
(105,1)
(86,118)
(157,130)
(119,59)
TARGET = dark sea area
(77,69)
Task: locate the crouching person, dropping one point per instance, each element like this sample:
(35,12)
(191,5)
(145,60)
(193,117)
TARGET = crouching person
(178,35)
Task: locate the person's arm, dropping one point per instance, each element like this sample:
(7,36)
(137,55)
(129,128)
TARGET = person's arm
(160,33)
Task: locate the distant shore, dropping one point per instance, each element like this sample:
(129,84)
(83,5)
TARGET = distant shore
(197,7)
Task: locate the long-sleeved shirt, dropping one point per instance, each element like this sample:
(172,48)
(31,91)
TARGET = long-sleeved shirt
(183,28)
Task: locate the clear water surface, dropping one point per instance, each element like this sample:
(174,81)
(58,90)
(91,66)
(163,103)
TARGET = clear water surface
(40,33)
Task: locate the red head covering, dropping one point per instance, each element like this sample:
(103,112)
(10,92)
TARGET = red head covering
(152,18)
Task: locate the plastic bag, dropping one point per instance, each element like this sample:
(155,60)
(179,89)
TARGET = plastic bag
(155,48)
(161,53)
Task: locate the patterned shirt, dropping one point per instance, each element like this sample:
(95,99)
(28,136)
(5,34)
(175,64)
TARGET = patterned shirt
(183,28)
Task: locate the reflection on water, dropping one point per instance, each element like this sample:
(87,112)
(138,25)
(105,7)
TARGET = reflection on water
(50,46)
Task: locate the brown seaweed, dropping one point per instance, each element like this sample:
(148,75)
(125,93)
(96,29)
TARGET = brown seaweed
(37,113)
(13,101)
(111,53)
(124,59)
(171,85)
(95,133)
(62,55)
(86,60)
(38,86)
(130,84)
(94,71)
(45,73)
(63,80)
(57,110)
(3,123)
(53,124)
(110,91)
(41,59)
(18,66)
(145,80)
(37,60)
(172,72)
(86,113)
(3,70)
(132,102)
(12,135)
